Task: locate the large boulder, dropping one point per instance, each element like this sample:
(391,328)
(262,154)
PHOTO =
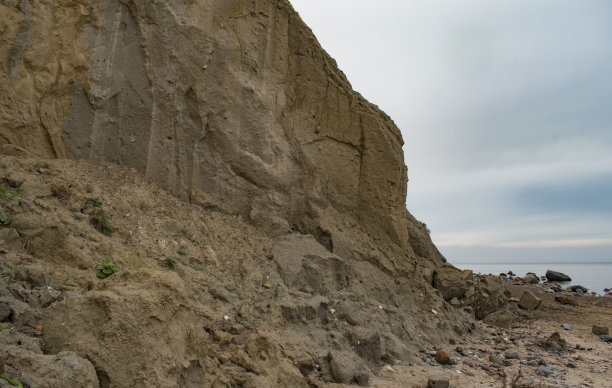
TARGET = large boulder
(531,278)
(554,276)
(451,282)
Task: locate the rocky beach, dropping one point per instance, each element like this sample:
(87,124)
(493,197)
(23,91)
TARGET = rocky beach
(193,195)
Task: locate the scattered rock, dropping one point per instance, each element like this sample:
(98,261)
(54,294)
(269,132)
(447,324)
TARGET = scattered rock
(566,300)
(554,276)
(600,330)
(511,355)
(531,278)
(437,382)
(566,326)
(496,359)
(556,288)
(578,288)
(443,358)
(529,301)
(606,338)
(545,371)
(555,342)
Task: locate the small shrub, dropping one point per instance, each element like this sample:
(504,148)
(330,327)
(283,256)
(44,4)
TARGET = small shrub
(95,202)
(199,267)
(182,251)
(106,268)
(230,288)
(78,217)
(170,262)
(101,223)
(5,219)
(7,195)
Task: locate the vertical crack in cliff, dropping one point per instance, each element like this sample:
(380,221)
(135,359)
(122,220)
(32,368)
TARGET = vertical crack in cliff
(22,40)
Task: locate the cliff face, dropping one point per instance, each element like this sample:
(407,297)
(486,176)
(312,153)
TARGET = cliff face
(284,257)
(232,104)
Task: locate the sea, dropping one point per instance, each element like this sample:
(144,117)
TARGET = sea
(594,276)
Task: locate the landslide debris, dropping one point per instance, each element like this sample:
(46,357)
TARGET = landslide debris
(238,307)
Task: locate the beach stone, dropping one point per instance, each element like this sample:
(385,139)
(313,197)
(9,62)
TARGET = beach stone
(531,278)
(443,358)
(545,371)
(566,326)
(554,276)
(556,288)
(496,359)
(500,318)
(579,291)
(606,338)
(555,342)
(566,300)
(529,301)
(600,330)
(578,288)
(511,355)
(437,382)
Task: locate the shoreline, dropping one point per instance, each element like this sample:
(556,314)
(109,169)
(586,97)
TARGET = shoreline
(520,351)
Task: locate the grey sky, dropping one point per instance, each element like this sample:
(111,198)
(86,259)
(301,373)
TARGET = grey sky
(505,108)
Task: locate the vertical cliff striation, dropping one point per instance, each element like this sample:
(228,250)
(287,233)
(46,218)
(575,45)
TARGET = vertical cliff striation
(232,104)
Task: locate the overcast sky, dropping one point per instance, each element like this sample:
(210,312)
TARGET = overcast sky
(506,111)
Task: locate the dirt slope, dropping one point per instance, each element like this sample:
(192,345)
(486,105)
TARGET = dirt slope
(202,298)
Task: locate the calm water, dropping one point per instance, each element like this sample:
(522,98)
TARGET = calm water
(594,276)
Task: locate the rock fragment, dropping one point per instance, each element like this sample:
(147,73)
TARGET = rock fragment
(531,278)
(443,358)
(437,382)
(529,301)
(555,342)
(600,330)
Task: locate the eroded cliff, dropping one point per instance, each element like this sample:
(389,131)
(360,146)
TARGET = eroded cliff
(289,257)
(230,103)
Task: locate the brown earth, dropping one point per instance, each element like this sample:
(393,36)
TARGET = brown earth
(202,298)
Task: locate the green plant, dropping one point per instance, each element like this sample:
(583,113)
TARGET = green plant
(106,268)
(181,251)
(199,267)
(13,382)
(78,217)
(253,321)
(3,327)
(169,262)
(5,219)
(101,223)
(95,202)
(7,195)
(230,288)
(195,241)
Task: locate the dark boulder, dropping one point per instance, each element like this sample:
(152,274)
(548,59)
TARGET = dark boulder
(554,276)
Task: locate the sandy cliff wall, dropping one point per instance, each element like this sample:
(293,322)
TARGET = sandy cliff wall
(230,103)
